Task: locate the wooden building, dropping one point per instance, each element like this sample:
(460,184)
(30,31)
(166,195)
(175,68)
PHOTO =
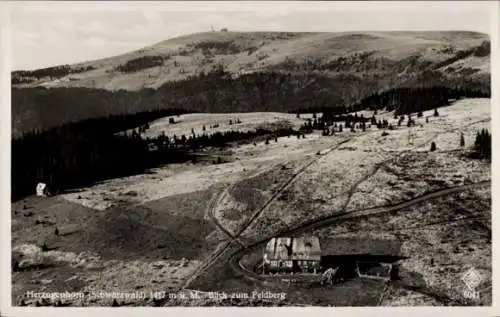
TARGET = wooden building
(363,257)
(292,255)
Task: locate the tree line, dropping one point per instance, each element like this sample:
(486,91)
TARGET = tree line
(221,91)
(81,153)
(403,100)
(27,76)
(410,100)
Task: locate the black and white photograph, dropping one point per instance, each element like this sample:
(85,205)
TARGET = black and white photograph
(249,154)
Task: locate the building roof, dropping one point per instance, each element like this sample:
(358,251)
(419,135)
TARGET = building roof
(300,248)
(355,245)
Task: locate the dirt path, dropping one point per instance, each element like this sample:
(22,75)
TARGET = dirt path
(285,186)
(211,212)
(379,165)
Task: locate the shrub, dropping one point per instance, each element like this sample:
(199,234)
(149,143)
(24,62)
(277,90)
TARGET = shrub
(433,146)
(483,49)
(140,63)
(227,47)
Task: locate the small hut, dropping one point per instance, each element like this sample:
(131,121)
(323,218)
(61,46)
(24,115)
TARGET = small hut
(42,190)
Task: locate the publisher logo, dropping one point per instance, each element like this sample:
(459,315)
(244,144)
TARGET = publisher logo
(471,279)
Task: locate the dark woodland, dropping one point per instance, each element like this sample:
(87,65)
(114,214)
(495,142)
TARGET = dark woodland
(219,91)
(82,153)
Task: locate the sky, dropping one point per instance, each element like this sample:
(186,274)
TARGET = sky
(46,34)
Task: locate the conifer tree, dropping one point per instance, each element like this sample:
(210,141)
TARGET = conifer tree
(482,144)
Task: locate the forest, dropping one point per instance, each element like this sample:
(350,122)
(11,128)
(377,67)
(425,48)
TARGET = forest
(82,153)
(218,91)
(413,100)
(402,100)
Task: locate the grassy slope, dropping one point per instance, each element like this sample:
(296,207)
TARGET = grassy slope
(247,52)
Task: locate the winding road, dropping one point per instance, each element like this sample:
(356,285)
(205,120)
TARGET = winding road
(340,217)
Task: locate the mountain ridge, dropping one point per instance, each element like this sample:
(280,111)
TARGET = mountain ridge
(249,71)
(244,52)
